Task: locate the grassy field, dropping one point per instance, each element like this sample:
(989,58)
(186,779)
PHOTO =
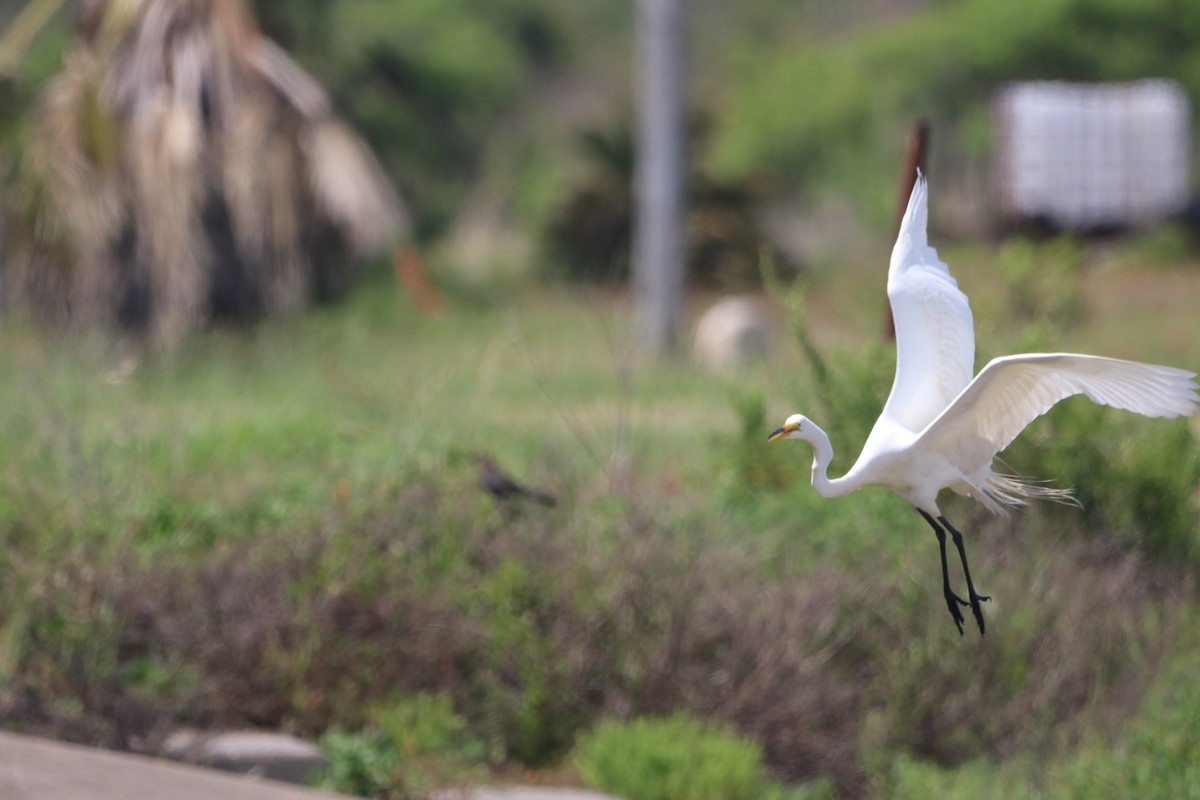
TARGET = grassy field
(281,527)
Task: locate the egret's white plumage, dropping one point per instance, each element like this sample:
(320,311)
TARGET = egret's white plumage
(941,428)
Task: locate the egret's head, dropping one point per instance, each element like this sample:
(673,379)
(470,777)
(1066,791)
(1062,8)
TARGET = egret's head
(793,428)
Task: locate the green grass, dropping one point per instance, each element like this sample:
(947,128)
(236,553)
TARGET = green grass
(280,526)
(676,758)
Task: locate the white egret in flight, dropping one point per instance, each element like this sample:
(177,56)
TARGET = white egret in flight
(941,428)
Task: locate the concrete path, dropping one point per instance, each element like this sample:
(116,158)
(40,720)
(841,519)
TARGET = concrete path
(40,769)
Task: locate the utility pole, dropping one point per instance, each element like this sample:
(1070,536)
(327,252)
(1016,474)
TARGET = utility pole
(659,168)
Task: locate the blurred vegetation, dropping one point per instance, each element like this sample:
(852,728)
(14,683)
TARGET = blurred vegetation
(438,88)
(648,759)
(830,113)
(429,95)
(281,531)
(181,168)
(413,745)
(676,758)
(281,528)
(473,104)
(589,237)
(1157,759)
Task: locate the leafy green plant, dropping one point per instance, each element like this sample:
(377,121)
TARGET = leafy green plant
(911,779)
(426,724)
(822,789)
(361,764)
(1044,284)
(675,758)
(678,758)
(1130,474)
(755,467)
(523,689)
(414,744)
(847,387)
(1159,758)
(1163,245)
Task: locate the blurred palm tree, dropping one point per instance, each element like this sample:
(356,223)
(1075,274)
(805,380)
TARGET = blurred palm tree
(183,168)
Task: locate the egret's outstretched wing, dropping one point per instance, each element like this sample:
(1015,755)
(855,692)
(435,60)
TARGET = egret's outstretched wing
(1013,391)
(935,337)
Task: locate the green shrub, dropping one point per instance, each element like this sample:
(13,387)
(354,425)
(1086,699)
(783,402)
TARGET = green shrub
(413,744)
(1044,285)
(1134,477)
(978,780)
(675,758)
(522,689)
(426,724)
(361,764)
(758,468)
(822,789)
(1164,245)
(843,391)
(1159,757)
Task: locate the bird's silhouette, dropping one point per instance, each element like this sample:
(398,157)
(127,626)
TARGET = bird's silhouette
(504,488)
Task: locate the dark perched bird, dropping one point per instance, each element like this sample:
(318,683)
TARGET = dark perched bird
(500,486)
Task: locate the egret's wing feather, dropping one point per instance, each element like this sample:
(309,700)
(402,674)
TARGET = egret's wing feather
(935,337)
(1011,392)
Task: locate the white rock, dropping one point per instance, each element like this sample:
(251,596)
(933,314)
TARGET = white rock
(734,331)
(277,756)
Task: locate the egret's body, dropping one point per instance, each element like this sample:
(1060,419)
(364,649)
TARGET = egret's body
(942,426)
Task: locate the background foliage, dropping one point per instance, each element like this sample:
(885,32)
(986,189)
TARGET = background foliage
(830,112)
(283,530)
(476,108)
(279,527)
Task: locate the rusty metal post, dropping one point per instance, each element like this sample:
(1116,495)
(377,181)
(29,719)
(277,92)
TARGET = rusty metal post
(915,147)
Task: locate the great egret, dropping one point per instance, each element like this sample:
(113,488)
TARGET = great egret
(941,428)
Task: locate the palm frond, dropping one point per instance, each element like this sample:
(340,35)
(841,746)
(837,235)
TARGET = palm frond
(194,165)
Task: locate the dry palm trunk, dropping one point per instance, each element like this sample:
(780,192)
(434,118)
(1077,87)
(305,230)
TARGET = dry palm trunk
(184,167)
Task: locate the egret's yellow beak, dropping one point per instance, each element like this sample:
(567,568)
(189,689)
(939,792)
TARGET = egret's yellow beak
(780,433)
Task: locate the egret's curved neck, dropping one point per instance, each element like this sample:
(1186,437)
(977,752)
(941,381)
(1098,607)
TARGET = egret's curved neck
(822,455)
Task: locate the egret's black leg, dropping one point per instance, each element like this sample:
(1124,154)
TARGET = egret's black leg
(974,596)
(953,601)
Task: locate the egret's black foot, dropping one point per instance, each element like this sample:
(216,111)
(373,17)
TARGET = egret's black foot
(975,597)
(953,601)
(977,610)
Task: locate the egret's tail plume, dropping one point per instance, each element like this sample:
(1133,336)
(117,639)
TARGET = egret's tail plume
(1002,492)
